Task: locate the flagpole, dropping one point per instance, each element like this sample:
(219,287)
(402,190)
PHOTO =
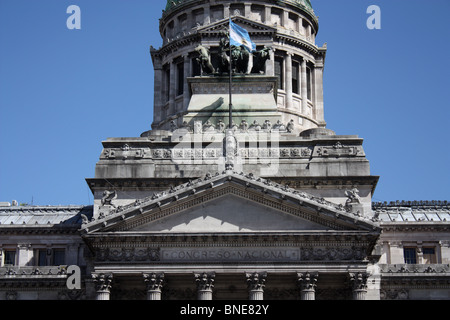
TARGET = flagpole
(231,84)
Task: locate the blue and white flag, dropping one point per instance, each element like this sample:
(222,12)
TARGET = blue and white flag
(240,37)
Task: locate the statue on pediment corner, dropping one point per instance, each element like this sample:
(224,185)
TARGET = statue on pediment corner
(353,197)
(108,198)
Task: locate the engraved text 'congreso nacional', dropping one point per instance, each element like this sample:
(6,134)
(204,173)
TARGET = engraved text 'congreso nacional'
(230,254)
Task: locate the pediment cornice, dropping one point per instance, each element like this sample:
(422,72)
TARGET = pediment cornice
(223,24)
(247,186)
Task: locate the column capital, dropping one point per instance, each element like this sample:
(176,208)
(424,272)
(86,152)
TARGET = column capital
(102,281)
(358,280)
(205,281)
(154,281)
(256,280)
(307,280)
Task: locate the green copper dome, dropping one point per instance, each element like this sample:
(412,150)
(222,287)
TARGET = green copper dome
(173,3)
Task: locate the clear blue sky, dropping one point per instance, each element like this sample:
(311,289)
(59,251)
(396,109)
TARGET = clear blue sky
(64,91)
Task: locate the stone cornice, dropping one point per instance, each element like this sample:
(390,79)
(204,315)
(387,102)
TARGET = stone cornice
(294,182)
(418,270)
(415,226)
(268,239)
(40,230)
(433,204)
(414,276)
(260,190)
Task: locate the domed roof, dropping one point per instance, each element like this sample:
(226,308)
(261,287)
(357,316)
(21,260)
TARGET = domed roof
(305,4)
(173,3)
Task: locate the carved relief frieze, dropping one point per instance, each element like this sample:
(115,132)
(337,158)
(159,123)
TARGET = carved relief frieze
(119,254)
(124,153)
(231,249)
(338,150)
(336,253)
(223,88)
(214,153)
(394,294)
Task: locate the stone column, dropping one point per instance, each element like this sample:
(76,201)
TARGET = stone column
(189,21)
(318,94)
(154,284)
(25,255)
(270,65)
(256,284)
(173,87)
(288,79)
(268,15)
(285,22)
(248,10)
(359,285)
(187,73)
(307,283)
(158,89)
(304,88)
(205,285)
(103,285)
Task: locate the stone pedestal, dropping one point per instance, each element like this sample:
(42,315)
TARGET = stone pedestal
(254,99)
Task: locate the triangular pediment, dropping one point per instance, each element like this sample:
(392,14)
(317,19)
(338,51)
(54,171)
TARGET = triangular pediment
(230,213)
(230,202)
(249,25)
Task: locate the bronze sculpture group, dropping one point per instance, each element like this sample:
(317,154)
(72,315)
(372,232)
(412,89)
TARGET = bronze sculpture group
(240,58)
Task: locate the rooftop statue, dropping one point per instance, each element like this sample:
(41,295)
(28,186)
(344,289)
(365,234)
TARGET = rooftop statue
(205,60)
(259,60)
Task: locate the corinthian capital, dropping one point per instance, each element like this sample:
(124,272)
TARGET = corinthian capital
(307,281)
(205,281)
(256,281)
(154,281)
(102,281)
(359,280)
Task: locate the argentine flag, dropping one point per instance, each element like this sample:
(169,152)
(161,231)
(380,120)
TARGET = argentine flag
(239,36)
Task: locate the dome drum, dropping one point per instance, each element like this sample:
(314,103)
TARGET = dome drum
(288,28)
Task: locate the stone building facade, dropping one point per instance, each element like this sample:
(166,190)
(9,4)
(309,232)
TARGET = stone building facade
(270,206)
